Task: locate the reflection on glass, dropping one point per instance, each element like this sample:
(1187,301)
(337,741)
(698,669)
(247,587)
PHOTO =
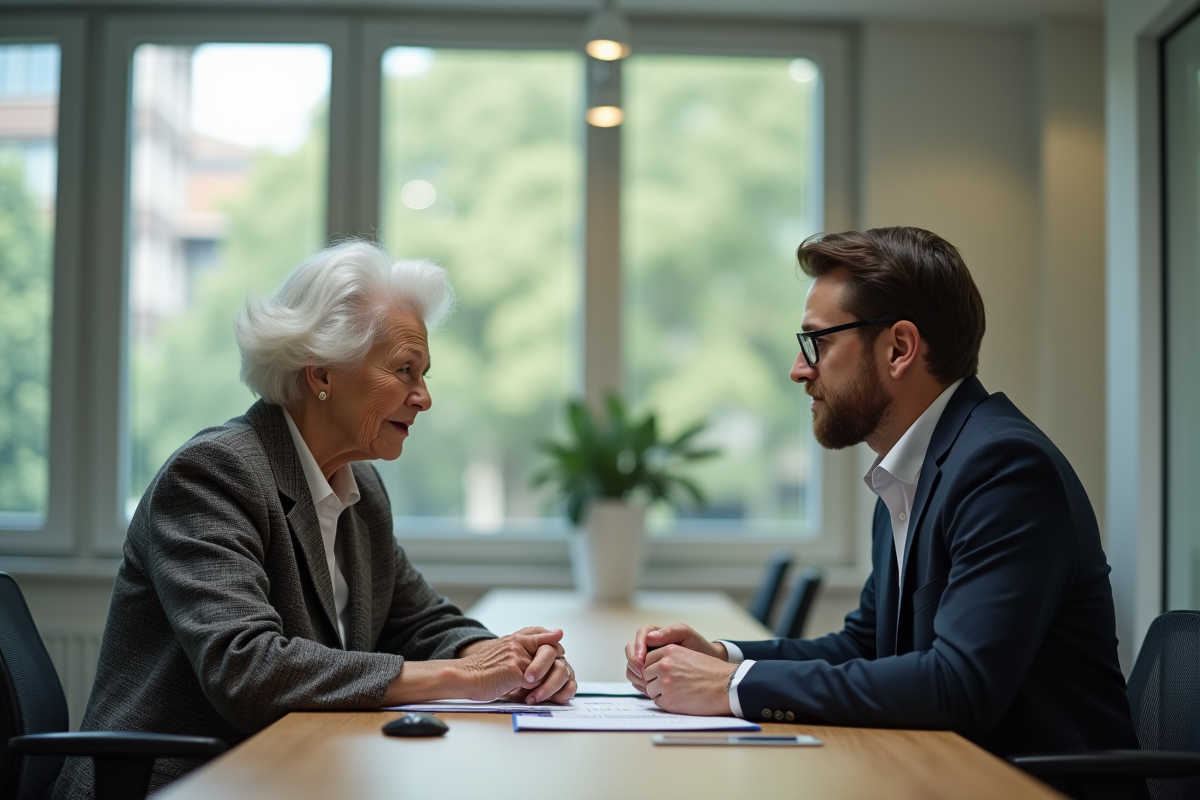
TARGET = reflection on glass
(228,195)
(28,179)
(481,171)
(721,183)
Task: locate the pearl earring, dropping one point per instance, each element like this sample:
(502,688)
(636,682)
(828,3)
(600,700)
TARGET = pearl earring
(322,396)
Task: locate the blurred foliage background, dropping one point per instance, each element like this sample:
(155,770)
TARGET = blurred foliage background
(720,185)
(25,298)
(490,186)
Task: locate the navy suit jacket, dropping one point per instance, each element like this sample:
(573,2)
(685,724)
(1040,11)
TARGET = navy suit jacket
(1000,625)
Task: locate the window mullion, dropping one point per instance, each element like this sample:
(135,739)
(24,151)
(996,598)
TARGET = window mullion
(105,368)
(347,98)
(602,255)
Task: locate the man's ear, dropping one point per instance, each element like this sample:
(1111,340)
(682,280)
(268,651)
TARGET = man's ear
(318,380)
(904,349)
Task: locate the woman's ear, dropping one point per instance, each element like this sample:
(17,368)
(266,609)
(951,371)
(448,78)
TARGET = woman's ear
(319,381)
(904,348)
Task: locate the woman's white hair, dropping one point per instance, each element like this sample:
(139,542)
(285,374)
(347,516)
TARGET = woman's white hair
(330,311)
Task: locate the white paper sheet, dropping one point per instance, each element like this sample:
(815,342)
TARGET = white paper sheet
(607,689)
(668,722)
(475,707)
(623,714)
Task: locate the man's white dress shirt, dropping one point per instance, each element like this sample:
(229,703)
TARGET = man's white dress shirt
(330,498)
(893,478)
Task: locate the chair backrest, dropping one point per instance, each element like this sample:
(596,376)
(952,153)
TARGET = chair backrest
(31,697)
(800,603)
(1164,694)
(1164,687)
(763,602)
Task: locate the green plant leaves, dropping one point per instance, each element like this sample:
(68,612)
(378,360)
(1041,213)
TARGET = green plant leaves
(619,457)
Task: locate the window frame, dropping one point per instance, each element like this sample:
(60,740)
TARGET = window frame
(87,506)
(58,533)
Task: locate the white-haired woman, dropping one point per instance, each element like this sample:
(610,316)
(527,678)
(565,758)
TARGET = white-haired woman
(261,575)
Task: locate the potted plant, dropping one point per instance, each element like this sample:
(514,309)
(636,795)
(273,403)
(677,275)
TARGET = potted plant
(607,472)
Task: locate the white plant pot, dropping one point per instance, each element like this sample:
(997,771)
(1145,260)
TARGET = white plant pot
(606,556)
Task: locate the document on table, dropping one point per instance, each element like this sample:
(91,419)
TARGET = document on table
(475,707)
(622,714)
(607,689)
(586,689)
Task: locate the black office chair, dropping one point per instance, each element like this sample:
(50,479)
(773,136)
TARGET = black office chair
(1164,696)
(763,603)
(799,604)
(33,716)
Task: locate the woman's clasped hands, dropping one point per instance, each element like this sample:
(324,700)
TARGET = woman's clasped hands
(528,665)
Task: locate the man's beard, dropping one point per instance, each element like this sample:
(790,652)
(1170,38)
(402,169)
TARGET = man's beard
(854,413)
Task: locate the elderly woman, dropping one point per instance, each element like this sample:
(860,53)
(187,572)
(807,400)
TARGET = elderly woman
(260,573)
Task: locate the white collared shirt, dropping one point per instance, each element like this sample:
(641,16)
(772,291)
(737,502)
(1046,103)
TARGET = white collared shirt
(893,477)
(329,500)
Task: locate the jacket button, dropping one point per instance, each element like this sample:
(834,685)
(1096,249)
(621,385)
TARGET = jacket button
(779,715)
(789,716)
(766,713)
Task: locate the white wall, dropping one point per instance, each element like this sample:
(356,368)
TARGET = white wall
(949,144)
(993,137)
(1069,348)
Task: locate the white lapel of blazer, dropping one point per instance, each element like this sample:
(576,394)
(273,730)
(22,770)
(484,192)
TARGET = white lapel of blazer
(268,421)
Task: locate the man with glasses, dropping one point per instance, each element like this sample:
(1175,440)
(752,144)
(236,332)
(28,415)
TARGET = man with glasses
(989,610)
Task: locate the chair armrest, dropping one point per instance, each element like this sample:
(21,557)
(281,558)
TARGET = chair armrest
(1110,764)
(117,744)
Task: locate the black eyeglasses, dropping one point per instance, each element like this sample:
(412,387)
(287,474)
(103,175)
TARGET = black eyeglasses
(808,339)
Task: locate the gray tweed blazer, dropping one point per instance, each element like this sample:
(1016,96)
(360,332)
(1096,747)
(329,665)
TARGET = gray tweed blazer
(222,616)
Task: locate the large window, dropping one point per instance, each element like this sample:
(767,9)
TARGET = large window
(29,81)
(482,172)
(721,182)
(227,179)
(195,157)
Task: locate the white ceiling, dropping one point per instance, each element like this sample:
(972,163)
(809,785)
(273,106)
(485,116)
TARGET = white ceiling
(995,11)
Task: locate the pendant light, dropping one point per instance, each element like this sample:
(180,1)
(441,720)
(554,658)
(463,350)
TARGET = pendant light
(606,36)
(606,39)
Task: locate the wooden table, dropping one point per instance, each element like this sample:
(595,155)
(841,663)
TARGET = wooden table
(343,755)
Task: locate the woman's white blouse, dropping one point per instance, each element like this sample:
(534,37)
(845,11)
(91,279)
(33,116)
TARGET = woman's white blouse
(330,499)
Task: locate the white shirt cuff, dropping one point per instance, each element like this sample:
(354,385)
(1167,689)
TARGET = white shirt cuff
(735,705)
(734,652)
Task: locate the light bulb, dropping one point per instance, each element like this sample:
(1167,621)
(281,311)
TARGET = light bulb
(607,49)
(606,35)
(605,116)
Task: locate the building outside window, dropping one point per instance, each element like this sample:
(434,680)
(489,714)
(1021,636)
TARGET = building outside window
(227,176)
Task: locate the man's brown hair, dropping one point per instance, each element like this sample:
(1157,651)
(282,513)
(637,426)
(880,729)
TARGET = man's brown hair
(914,274)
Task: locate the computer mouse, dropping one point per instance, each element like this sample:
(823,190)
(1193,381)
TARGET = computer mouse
(414,724)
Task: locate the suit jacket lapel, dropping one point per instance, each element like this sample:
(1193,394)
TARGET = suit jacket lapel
(268,422)
(886,587)
(352,532)
(929,478)
(968,395)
